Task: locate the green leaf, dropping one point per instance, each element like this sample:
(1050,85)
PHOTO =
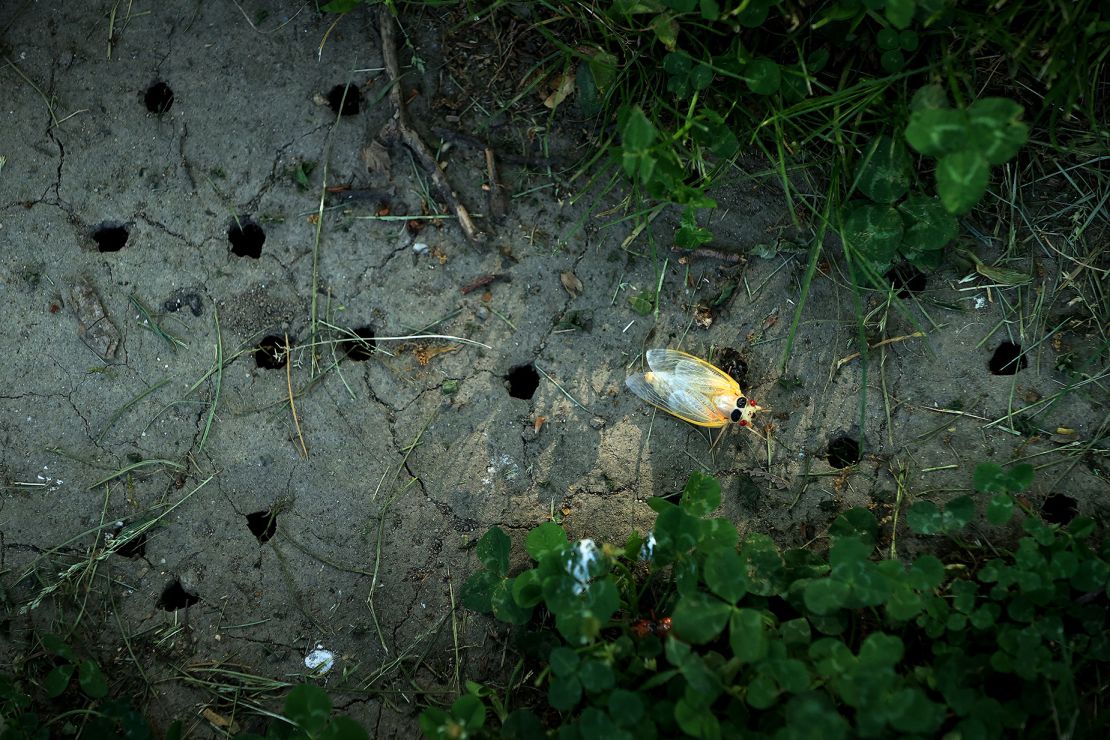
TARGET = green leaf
(596,676)
(340,6)
(856,522)
(753,13)
(763,76)
(528,588)
(682,6)
(925,518)
(880,650)
(825,595)
(91,679)
(642,303)
(962,179)
(883,174)
(689,235)
(911,711)
(696,720)
(874,232)
(892,61)
(56,645)
(992,478)
(638,133)
(564,661)
(477,590)
(626,707)
(343,728)
(698,617)
(746,635)
(522,724)
(711,131)
(928,224)
(469,711)
(726,575)
(887,38)
(493,551)
(666,30)
(701,495)
(996,131)
(710,10)
(57,680)
(564,692)
(795,631)
(937,131)
(545,538)
(603,69)
(505,607)
(928,97)
(762,691)
(309,707)
(908,40)
(899,12)
(1000,508)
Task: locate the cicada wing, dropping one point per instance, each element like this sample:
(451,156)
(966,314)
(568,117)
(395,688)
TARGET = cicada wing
(660,390)
(693,374)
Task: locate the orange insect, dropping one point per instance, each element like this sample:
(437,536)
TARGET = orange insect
(693,390)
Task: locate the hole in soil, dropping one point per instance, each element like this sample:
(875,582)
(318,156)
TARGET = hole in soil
(734,364)
(350,104)
(246,238)
(522,381)
(843,451)
(270,354)
(158,98)
(1007,359)
(133,548)
(1059,509)
(110,236)
(361,349)
(906,279)
(175,597)
(263,525)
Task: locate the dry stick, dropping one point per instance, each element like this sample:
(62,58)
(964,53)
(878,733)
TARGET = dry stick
(710,253)
(289,385)
(840,363)
(408,134)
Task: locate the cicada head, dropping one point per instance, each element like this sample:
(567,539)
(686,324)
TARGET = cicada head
(745,409)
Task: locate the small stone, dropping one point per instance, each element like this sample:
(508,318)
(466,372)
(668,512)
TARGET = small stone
(597,422)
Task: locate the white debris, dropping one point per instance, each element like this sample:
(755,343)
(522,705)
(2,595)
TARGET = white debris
(585,554)
(647,549)
(320,660)
(420,248)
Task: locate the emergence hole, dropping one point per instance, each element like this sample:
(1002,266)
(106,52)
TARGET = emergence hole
(522,381)
(270,354)
(246,238)
(361,349)
(1007,359)
(134,547)
(843,451)
(345,100)
(1059,509)
(175,597)
(734,364)
(110,236)
(906,279)
(158,98)
(262,524)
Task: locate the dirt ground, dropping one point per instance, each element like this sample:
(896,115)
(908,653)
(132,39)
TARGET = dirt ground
(151,247)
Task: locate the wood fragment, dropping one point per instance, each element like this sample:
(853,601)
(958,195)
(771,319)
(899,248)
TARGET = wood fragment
(482,281)
(840,363)
(93,325)
(408,135)
(498,195)
(289,387)
(716,254)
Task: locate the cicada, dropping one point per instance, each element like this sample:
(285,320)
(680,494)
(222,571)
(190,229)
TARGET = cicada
(692,389)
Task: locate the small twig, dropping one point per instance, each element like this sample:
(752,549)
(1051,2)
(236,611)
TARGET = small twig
(498,195)
(289,385)
(843,360)
(408,134)
(482,281)
(716,254)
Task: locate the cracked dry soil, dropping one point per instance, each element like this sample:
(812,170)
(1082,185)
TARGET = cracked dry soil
(174,187)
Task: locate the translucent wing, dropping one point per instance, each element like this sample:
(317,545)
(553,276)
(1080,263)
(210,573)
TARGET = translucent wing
(692,373)
(662,391)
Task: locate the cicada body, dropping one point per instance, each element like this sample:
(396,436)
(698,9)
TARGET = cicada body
(692,389)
